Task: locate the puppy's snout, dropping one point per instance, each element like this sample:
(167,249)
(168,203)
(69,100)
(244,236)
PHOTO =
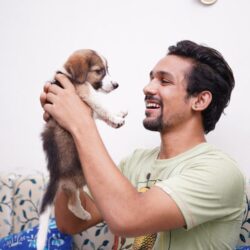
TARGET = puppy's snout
(115,85)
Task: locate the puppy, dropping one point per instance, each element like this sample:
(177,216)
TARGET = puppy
(88,72)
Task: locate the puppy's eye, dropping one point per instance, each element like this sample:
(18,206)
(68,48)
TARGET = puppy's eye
(99,71)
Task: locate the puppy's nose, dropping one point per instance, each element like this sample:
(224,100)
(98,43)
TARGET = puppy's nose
(115,85)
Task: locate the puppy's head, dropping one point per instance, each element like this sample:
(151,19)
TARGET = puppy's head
(88,66)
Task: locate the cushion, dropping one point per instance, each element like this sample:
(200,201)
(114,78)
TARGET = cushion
(6,204)
(244,237)
(26,240)
(28,192)
(97,237)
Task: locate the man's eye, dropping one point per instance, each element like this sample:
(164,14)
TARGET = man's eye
(165,81)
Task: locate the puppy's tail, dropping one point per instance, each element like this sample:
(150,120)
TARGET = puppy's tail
(45,212)
(43,228)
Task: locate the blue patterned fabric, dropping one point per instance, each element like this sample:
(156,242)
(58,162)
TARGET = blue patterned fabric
(26,240)
(20,194)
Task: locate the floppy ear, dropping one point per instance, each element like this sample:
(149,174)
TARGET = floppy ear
(77,68)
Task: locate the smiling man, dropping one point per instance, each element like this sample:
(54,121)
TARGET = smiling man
(166,93)
(184,194)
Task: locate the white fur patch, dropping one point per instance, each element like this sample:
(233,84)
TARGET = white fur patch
(115,120)
(107,85)
(43,229)
(104,61)
(77,208)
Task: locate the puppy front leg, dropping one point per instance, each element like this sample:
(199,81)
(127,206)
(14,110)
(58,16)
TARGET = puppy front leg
(113,120)
(100,111)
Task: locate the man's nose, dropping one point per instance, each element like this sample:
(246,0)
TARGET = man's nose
(150,88)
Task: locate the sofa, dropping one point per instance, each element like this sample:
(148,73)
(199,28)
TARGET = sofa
(21,192)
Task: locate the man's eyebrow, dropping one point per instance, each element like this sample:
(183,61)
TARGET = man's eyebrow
(161,73)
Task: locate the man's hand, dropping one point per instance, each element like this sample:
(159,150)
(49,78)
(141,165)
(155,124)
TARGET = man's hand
(43,100)
(64,105)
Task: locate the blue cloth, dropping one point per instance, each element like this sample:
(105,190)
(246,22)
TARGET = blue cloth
(243,248)
(26,240)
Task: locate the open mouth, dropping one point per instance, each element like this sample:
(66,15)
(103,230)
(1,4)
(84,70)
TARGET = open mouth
(152,105)
(152,102)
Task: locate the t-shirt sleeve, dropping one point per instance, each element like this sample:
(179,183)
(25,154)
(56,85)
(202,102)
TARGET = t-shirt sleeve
(205,192)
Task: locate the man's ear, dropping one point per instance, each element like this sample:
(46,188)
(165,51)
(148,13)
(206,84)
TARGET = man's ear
(202,100)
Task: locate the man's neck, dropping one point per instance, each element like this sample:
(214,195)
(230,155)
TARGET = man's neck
(174,143)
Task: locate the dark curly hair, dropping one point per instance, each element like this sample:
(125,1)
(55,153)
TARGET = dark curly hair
(210,72)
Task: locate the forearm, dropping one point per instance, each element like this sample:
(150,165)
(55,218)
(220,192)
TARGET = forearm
(67,222)
(113,193)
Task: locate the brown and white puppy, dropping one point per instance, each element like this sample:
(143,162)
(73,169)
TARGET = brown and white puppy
(88,72)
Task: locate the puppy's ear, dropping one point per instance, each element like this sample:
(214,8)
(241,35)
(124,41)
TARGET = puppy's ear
(77,68)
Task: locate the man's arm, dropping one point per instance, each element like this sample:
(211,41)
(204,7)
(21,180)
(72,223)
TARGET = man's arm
(126,211)
(67,222)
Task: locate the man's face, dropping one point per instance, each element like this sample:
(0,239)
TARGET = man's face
(167,105)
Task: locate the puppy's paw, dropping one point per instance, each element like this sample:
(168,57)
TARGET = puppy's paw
(122,114)
(116,121)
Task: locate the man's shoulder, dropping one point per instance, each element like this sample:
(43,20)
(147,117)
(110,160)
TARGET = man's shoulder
(216,168)
(210,157)
(208,153)
(138,156)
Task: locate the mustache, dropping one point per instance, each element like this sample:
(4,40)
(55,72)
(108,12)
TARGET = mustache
(153,98)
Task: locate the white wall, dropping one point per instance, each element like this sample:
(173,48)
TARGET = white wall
(37,36)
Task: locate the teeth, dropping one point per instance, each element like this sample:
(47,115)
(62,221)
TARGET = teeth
(152,105)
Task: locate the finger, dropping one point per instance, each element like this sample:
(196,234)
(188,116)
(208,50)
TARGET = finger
(50,97)
(46,87)
(43,98)
(46,116)
(55,89)
(48,108)
(65,82)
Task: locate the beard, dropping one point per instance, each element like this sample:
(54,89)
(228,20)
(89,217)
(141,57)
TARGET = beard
(158,123)
(153,124)
(161,124)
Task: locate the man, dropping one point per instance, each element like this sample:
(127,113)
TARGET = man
(195,193)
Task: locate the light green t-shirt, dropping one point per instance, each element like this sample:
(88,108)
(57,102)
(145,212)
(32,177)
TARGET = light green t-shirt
(207,186)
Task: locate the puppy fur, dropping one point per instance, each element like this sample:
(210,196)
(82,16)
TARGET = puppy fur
(88,72)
